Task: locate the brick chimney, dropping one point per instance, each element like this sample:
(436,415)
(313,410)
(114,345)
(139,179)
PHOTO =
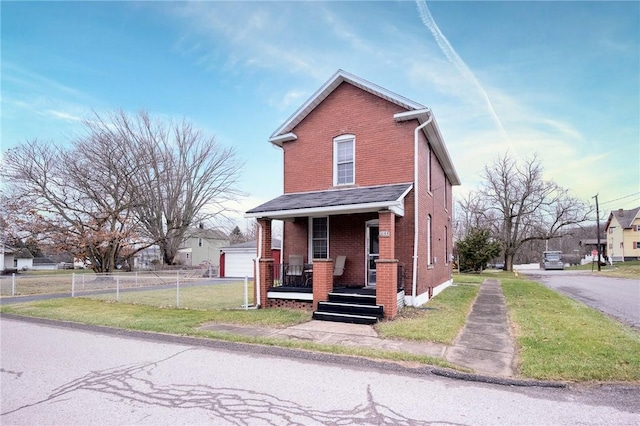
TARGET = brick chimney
(620,212)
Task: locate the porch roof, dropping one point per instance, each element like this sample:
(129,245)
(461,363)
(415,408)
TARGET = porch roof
(335,201)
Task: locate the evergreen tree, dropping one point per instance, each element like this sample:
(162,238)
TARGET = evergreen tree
(476,249)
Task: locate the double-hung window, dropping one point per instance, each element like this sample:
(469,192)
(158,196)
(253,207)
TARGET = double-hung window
(319,237)
(344,163)
(429,242)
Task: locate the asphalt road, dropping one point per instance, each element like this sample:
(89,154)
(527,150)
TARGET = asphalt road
(61,375)
(617,297)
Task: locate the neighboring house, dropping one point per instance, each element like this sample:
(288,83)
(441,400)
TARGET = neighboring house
(22,259)
(6,259)
(202,247)
(238,260)
(44,264)
(147,258)
(356,158)
(623,234)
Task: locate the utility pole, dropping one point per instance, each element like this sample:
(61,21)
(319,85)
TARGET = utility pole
(598,228)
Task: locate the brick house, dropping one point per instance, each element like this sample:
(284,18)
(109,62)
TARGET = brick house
(356,158)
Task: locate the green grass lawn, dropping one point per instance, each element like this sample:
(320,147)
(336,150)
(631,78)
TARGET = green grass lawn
(439,320)
(560,339)
(630,269)
(209,297)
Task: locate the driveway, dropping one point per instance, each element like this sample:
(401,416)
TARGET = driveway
(617,297)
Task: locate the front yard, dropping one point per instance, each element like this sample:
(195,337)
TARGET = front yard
(558,339)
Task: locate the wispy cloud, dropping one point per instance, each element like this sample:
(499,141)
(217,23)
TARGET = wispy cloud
(457,61)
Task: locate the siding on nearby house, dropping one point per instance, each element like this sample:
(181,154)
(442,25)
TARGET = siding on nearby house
(623,234)
(238,260)
(202,247)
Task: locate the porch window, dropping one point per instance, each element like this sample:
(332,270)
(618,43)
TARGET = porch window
(429,241)
(344,160)
(319,238)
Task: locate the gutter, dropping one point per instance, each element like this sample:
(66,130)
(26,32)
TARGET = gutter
(257,303)
(416,132)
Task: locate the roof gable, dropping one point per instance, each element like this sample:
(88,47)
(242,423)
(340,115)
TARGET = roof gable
(624,217)
(413,111)
(282,134)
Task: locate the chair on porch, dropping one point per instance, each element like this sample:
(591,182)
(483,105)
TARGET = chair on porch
(338,267)
(294,269)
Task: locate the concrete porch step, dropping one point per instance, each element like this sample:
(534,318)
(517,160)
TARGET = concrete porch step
(340,317)
(351,308)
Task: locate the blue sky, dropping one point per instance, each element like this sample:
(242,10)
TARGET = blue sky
(560,79)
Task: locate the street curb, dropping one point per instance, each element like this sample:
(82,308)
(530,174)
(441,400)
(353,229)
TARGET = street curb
(505,381)
(300,354)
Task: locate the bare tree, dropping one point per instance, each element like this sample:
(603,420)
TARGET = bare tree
(519,205)
(125,184)
(77,199)
(188,176)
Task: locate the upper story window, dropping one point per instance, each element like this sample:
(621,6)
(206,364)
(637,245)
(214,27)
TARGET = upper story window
(344,164)
(199,242)
(429,168)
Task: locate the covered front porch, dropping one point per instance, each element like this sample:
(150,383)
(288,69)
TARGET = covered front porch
(333,253)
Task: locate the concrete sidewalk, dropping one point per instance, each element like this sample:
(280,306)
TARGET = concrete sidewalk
(485,344)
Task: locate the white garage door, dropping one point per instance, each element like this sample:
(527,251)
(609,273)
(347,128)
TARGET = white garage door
(239,264)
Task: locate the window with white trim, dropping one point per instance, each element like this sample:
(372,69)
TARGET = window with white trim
(446,244)
(429,241)
(428,168)
(344,163)
(319,237)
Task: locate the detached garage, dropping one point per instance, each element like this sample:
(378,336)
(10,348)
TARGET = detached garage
(237,260)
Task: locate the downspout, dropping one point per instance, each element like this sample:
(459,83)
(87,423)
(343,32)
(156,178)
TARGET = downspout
(257,304)
(415,208)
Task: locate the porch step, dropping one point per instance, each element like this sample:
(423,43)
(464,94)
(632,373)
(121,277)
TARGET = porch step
(351,308)
(340,317)
(360,299)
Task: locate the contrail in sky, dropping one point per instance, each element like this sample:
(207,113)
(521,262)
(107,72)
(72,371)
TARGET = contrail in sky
(457,61)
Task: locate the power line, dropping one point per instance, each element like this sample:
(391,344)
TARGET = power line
(621,198)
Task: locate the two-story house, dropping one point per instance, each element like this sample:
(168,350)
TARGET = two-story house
(623,234)
(201,247)
(367,204)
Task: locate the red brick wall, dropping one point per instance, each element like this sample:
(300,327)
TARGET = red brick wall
(433,202)
(384,155)
(379,139)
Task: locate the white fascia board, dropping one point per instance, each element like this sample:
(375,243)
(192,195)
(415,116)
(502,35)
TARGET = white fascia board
(432,132)
(440,149)
(331,84)
(421,115)
(397,207)
(279,140)
(289,296)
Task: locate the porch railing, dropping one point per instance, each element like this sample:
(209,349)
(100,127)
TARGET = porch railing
(297,276)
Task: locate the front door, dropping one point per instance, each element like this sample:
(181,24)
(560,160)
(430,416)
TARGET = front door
(373,251)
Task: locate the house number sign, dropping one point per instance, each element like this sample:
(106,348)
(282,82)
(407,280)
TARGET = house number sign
(385,234)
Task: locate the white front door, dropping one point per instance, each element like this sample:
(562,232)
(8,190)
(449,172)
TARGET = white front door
(373,251)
